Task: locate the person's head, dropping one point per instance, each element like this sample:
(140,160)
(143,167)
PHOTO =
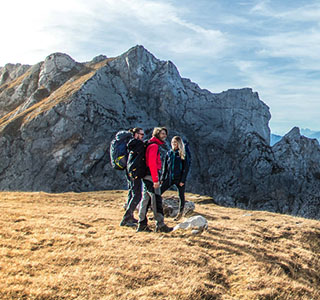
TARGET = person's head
(177,144)
(160,133)
(137,133)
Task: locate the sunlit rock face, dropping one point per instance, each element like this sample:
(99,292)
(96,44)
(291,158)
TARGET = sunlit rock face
(56,70)
(10,72)
(59,116)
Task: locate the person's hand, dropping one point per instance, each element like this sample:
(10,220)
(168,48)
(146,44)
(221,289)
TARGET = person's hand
(156,185)
(181,184)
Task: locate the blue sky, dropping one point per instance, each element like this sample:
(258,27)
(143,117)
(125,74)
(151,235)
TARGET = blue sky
(271,46)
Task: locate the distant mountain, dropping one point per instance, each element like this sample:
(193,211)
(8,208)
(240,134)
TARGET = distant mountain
(274,138)
(311,134)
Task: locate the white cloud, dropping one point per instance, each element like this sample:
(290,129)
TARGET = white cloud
(160,23)
(302,13)
(303,44)
(261,7)
(102,25)
(27,34)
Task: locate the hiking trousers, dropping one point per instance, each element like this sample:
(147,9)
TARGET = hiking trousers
(134,196)
(151,197)
(169,183)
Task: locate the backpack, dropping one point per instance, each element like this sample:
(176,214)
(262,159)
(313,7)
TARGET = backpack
(118,150)
(136,166)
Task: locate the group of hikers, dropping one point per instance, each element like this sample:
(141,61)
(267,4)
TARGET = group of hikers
(145,186)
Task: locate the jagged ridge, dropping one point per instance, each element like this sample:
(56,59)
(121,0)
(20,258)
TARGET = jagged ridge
(66,113)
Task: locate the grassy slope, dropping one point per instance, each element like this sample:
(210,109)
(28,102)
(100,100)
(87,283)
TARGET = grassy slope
(69,246)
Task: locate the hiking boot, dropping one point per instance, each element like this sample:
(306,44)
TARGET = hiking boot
(143,228)
(127,223)
(133,220)
(178,217)
(164,228)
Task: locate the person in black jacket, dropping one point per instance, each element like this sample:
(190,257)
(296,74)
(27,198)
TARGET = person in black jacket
(175,170)
(134,186)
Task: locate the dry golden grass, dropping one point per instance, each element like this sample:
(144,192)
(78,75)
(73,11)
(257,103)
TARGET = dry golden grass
(14,83)
(70,246)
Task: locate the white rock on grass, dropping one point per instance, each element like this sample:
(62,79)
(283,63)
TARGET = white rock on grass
(197,224)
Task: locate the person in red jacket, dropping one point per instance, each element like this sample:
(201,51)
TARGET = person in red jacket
(151,182)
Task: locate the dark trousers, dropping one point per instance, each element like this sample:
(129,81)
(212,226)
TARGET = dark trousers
(134,196)
(168,183)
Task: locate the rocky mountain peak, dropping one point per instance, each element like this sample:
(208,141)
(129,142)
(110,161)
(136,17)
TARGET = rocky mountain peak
(12,71)
(293,134)
(99,58)
(57,69)
(59,118)
(141,63)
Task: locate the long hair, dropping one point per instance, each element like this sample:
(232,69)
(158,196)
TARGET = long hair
(181,147)
(157,130)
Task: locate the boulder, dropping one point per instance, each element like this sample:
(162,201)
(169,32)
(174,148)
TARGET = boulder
(197,224)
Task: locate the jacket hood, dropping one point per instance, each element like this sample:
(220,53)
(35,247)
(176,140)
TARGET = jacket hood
(156,140)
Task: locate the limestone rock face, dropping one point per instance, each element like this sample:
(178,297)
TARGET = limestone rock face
(299,187)
(56,70)
(59,117)
(10,72)
(10,97)
(99,58)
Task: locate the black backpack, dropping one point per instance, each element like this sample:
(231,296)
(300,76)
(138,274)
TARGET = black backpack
(136,165)
(118,150)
